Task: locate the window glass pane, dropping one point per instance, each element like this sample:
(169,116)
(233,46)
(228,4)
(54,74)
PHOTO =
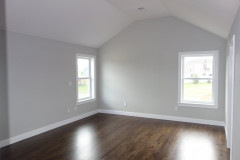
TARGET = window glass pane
(83,68)
(83,88)
(197,90)
(198,67)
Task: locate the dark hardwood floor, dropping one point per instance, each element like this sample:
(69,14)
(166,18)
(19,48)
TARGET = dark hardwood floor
(113,137)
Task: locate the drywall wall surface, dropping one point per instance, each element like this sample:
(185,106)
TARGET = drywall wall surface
(235,154)
(42,82)
(140,66)
(3,88)
(4,131)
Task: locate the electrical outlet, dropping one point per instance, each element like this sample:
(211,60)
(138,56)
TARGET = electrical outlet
(125,103)
(68,110)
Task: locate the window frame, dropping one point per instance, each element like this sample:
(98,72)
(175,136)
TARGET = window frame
(181,102)
(92,80)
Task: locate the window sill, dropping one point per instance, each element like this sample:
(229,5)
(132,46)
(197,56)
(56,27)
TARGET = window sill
(210,106)
(86,101)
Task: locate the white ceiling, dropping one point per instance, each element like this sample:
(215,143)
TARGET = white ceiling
(215,16)
(93,22)
(153,8)
(86,22)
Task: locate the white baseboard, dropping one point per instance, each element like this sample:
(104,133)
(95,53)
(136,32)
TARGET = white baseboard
(44,129)
(163,117)
(29,134)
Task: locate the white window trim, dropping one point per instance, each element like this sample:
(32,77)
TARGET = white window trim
(93,92)
(214,105)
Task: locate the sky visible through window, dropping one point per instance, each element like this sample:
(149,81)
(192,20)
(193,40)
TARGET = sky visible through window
(83,68)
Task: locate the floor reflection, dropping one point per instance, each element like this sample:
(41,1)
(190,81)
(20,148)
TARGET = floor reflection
(196,146)
(86,144)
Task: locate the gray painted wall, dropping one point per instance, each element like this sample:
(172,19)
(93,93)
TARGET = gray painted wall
(235,154)
(3,88)
(140,65)
(4,131)
(39,72)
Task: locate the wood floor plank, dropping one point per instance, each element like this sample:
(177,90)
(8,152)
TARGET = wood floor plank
(114,137)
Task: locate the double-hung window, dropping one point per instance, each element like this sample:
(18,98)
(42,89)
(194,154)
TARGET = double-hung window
(198,79)
(85,78)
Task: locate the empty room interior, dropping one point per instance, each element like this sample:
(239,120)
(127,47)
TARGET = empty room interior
(119,80)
